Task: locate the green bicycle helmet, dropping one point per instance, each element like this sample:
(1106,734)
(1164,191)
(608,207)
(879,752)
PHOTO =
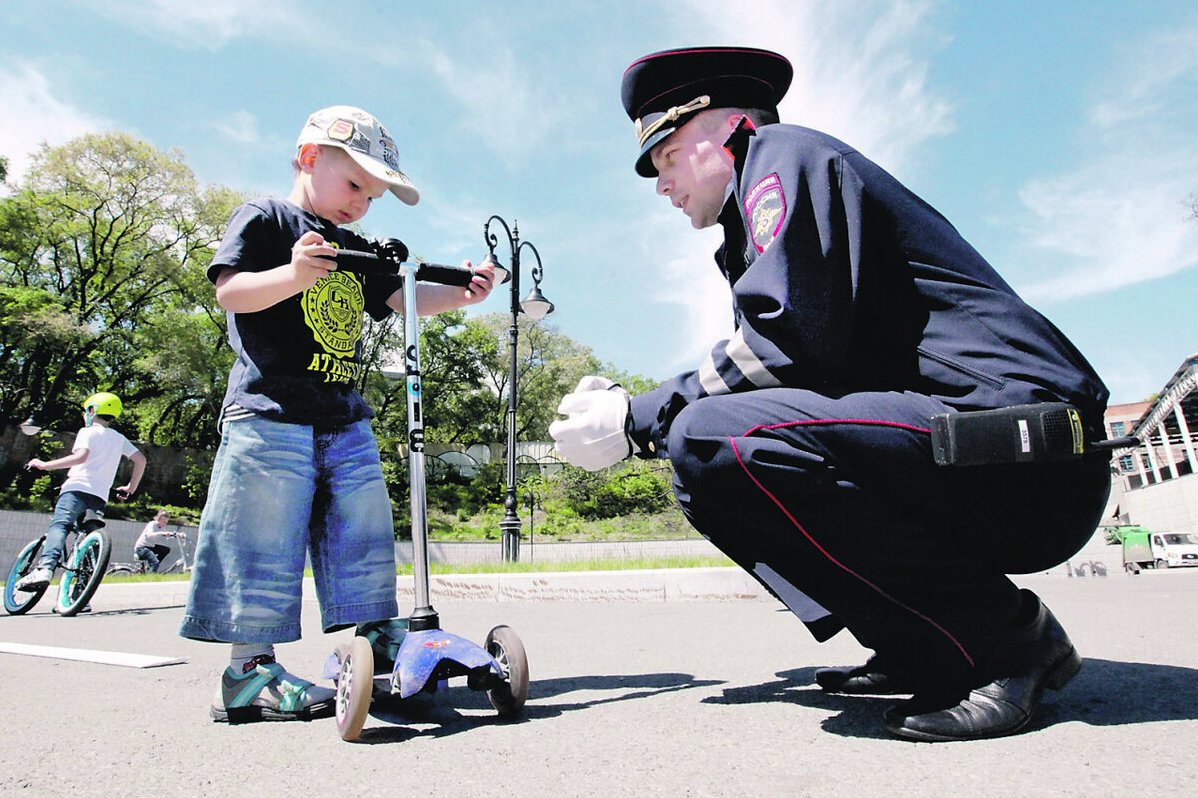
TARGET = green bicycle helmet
(103,404)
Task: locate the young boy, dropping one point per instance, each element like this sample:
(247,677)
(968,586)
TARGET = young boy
(93,463)
(151,545)
(298,470)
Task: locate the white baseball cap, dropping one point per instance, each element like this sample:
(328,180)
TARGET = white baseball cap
(366,141)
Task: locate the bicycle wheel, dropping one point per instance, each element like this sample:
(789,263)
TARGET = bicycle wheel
(83,576)
(121,569)
(18,602)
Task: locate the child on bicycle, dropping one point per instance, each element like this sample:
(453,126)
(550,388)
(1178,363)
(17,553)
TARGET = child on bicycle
(95,456)
(297,474)
(151,546)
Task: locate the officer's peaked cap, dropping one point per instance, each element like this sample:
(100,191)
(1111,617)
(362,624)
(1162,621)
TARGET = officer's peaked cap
(660,91)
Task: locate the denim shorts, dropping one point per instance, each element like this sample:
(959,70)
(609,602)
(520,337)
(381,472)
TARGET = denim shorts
(280,492)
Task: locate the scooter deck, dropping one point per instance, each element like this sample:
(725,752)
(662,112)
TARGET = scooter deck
(434,654)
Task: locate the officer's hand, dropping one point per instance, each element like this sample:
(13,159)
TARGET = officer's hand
(593,435)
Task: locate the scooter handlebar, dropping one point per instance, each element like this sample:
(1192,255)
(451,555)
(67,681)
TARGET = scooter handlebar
(389,255)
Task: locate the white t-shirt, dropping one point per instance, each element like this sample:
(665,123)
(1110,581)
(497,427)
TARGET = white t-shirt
(152,536)
(105,448)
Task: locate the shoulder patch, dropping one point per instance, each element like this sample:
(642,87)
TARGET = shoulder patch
(765,208)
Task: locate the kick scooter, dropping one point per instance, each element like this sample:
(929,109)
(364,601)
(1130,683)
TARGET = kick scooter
(428,655)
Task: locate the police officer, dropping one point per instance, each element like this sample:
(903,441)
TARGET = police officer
(802,446)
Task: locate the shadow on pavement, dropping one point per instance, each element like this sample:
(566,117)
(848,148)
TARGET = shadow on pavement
(47,612)
(1104,693)
(442,708)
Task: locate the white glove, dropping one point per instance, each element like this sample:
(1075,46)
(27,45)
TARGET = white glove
(593,434)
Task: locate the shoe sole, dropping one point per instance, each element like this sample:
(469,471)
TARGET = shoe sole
(1060,675)
(845,689)
(256,714)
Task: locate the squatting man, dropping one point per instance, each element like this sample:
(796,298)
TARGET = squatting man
(802,444)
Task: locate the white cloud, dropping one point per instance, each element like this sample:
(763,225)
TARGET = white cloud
(1121,218)
(500,102)
(241,127)
(860,74)
(1147,75)
(33,115)
(861,69)
(209,24)
(1114,223)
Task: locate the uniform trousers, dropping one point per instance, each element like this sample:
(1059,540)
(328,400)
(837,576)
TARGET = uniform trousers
(838,499)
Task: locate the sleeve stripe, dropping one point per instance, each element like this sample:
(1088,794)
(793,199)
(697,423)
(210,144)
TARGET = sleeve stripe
(749,364)
(710,379)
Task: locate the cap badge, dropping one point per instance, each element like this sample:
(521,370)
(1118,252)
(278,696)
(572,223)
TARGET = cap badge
(643,132)
(341,130)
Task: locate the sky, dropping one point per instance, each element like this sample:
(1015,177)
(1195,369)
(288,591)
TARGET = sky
(1058,137)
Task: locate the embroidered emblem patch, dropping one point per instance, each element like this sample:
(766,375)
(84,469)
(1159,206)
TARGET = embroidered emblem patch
(341,130)
(765,208)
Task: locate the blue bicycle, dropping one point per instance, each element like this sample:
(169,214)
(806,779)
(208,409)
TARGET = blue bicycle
(83,567)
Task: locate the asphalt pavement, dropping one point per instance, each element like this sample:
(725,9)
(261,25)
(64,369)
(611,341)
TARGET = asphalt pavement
(649,683)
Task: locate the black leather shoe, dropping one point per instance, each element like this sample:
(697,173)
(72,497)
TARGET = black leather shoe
(871,678)
(1034,656)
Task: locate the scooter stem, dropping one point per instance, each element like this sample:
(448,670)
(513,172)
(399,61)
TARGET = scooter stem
(423,615)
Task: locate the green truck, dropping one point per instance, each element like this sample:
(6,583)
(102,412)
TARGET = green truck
(1143,548)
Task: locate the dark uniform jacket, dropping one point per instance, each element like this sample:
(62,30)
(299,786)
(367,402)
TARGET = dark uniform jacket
(844,281)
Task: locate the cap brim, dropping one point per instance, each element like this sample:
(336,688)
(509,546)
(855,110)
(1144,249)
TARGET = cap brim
(400,185)
(644,162)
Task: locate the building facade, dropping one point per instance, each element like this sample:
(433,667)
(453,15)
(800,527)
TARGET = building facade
(1155,484)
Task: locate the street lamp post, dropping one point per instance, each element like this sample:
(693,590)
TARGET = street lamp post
(536,307)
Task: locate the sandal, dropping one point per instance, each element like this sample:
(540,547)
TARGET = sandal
(266,691)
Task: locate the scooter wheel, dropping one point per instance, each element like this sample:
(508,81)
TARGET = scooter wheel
(355,684)
(504,645)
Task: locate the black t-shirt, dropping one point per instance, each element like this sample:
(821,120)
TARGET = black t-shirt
(297,361)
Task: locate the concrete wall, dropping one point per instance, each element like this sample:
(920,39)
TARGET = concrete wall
(1167,506)
(166,468)
(18,528)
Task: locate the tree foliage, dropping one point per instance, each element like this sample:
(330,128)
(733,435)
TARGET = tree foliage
(103,248)
(548,366)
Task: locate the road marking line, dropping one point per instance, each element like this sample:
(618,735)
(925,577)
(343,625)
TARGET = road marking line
(89,655)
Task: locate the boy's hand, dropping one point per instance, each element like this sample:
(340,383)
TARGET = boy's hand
(40,465)
(310,259)
(480,287)
(124,492)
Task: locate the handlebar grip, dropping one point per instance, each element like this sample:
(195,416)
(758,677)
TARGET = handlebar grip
(446,275)
(361,262)
(369,263)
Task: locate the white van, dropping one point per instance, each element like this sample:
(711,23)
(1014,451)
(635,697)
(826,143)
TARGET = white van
(1174,549)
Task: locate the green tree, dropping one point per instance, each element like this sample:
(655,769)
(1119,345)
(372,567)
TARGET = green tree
(103,247)
(454,396)
(548,366)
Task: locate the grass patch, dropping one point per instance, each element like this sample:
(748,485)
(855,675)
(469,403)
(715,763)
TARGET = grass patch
(522,567)
(124,579)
